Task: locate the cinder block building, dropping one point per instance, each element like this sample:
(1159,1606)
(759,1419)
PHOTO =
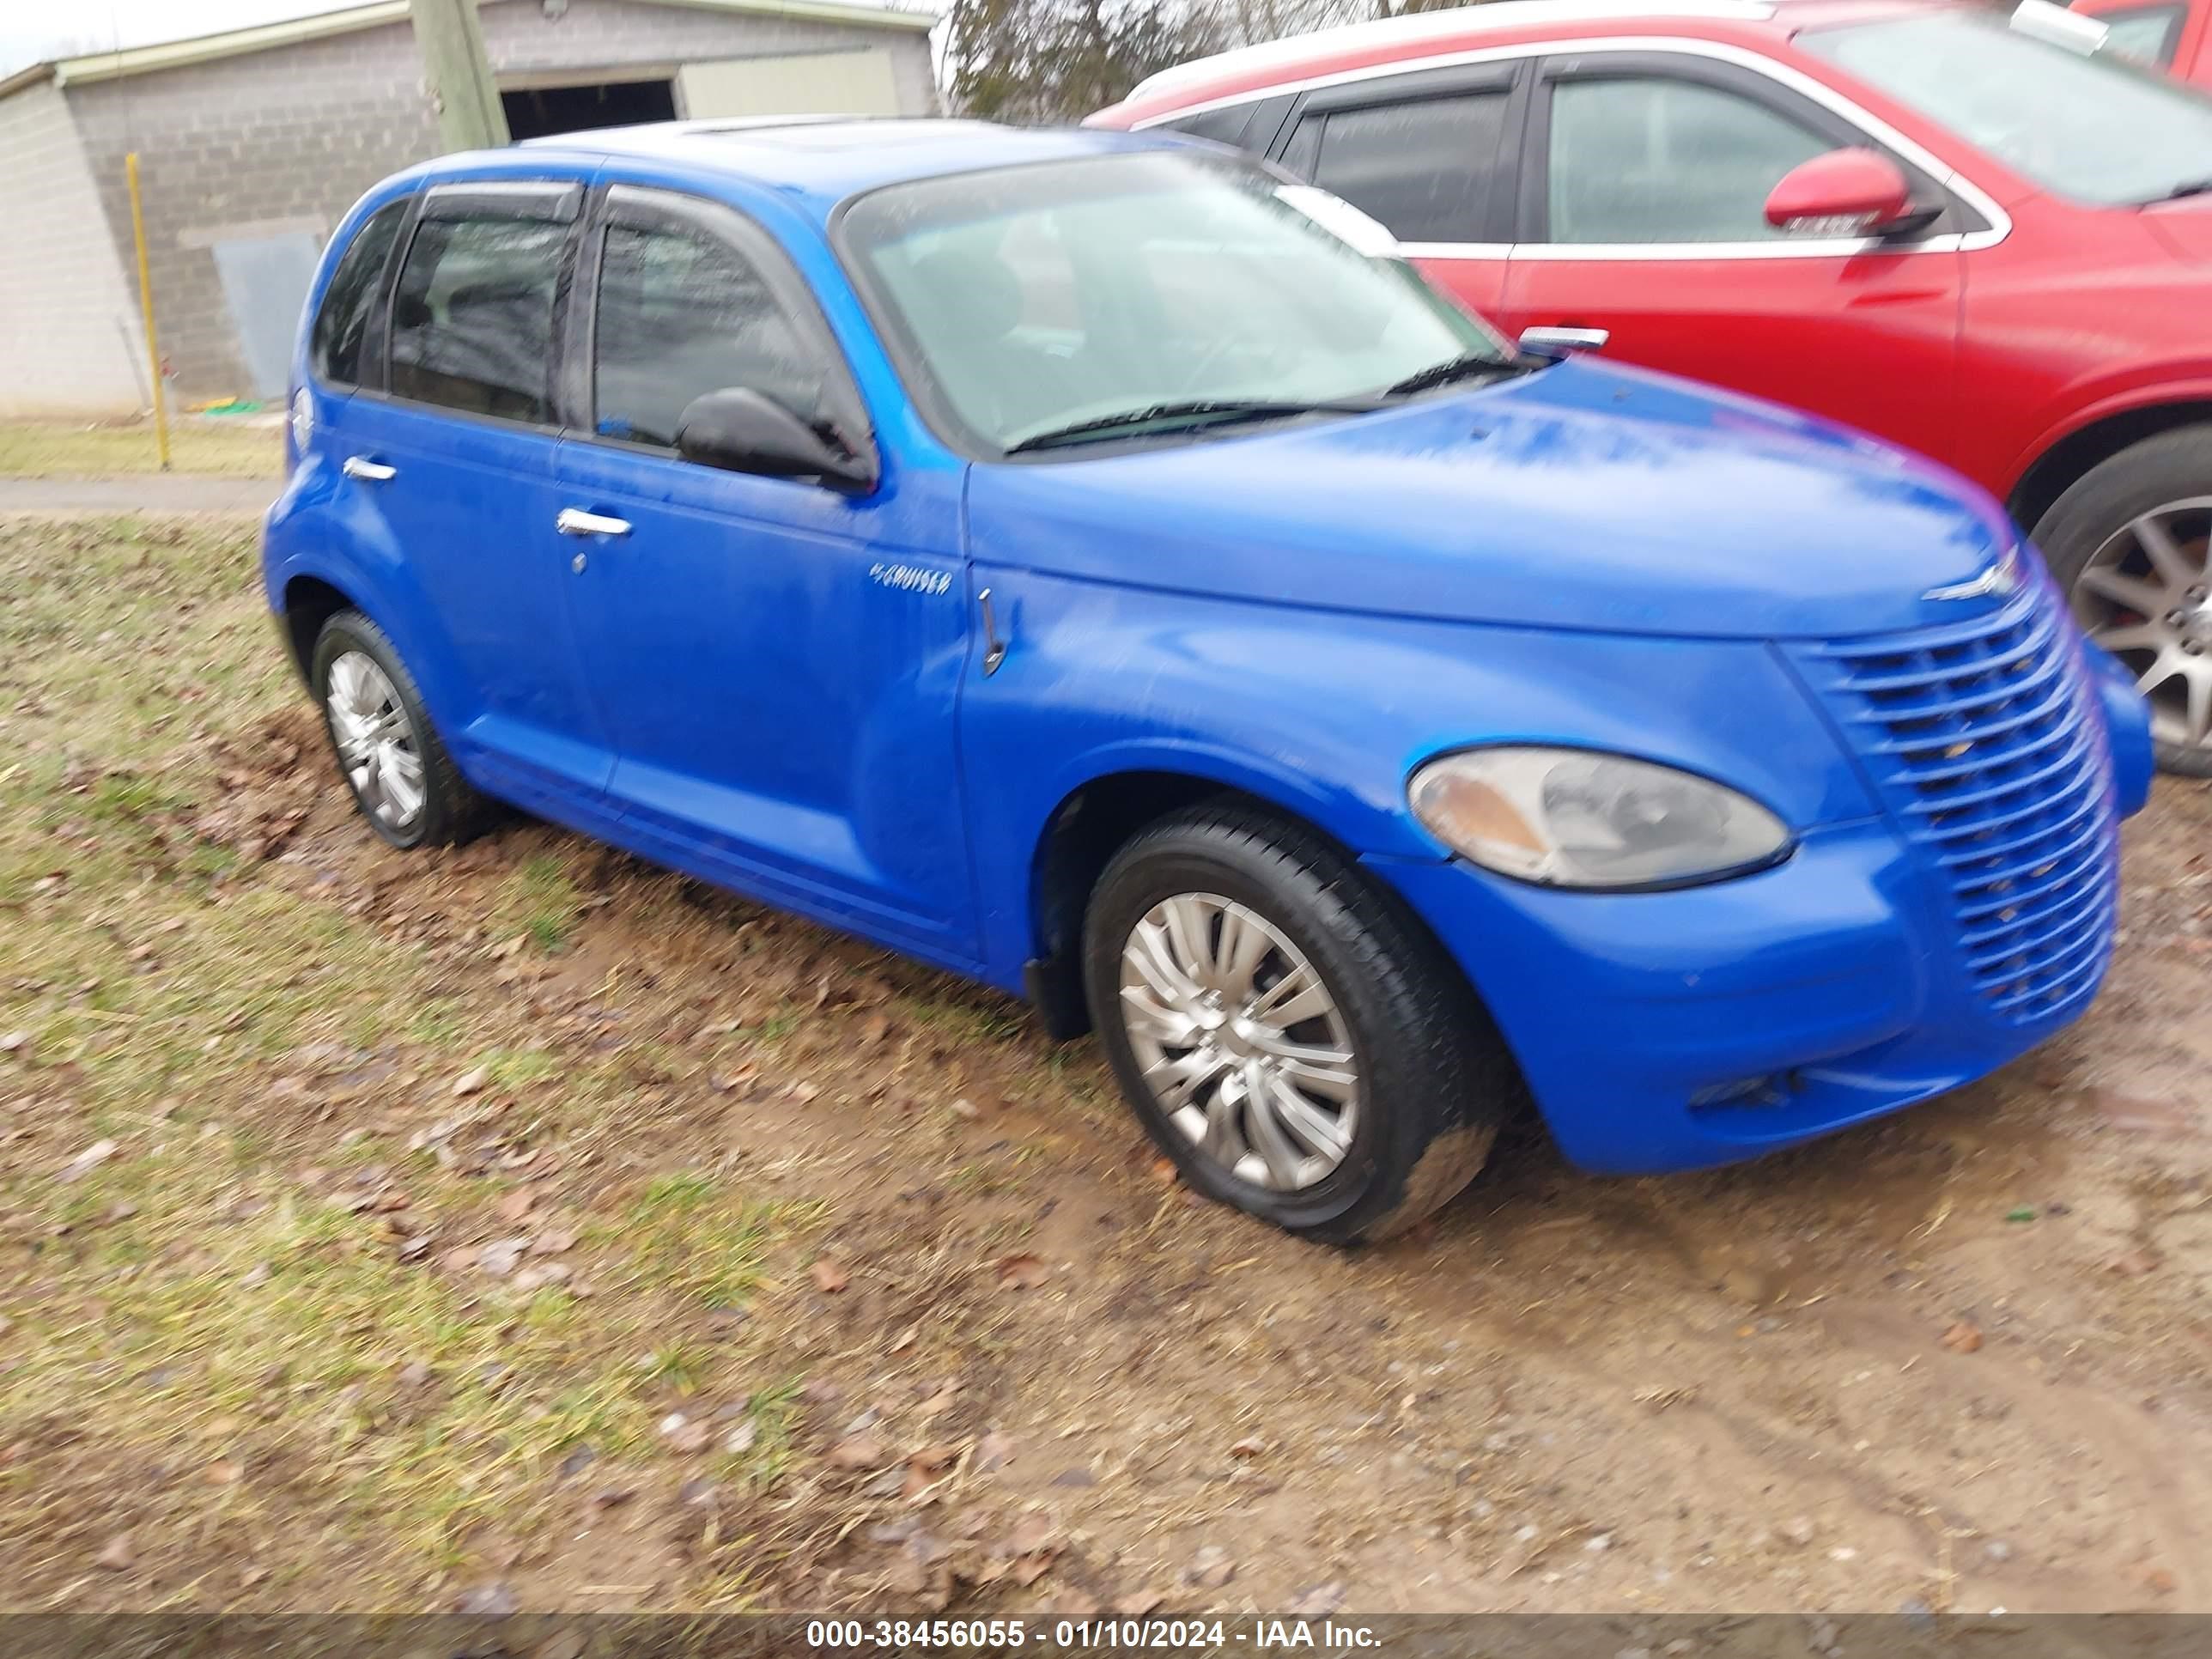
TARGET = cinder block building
(252,143)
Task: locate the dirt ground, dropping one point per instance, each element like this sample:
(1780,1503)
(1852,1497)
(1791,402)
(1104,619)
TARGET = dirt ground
(523,1226)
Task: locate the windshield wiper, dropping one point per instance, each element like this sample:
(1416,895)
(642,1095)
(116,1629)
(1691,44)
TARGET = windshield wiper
(1213,411)
(1468,367)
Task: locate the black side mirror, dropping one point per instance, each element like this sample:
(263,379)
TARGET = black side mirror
(741,430)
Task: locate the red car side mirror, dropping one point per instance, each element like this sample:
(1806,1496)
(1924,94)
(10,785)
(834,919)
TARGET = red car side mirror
(1845,193)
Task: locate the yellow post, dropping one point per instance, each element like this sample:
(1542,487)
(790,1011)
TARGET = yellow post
(146,304)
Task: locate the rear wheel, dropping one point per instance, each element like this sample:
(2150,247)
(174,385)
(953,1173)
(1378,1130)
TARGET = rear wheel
(1286,1033)
(2130,544)
(402,779)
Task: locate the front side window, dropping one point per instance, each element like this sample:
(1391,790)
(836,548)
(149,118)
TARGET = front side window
(2146,33)
(343,319)
(681,314)
(1650,159)
(473,316)
(2097,129)
(1033,299)
(1425,167)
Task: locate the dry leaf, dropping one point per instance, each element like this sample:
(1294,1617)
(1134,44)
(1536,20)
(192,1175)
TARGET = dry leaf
(1250,1446)
(859,1451)
(471,1081)
(1209,1569)
(829,1276)
(88,1160)
(1965,1337)
(1317,1600)
(1022,1272)
(994,1451)
(1138,1603)
(685,1434)
(925,1468)
(940,1402)
(518,1204)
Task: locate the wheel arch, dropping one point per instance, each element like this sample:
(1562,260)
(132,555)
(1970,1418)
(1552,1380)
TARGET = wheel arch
(1093,820)
(2065,457)
(309,586)
(310,601)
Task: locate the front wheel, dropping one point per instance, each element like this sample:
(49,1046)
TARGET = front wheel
(1286,1034)
(2130,544)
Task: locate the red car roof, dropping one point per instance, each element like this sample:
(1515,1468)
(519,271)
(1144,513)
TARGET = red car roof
(1434,34)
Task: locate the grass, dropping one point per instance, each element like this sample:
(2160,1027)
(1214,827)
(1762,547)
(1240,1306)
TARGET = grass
(230,447)
(544,903)
(224,1296)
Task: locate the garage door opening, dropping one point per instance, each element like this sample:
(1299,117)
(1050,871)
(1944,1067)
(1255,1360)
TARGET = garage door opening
(536,112)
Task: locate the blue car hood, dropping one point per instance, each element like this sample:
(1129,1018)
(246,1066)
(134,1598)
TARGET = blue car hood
(1582,496)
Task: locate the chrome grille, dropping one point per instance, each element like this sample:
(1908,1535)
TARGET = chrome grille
(1982,738)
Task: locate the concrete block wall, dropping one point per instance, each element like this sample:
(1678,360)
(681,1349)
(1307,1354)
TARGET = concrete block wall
(254,145)
(286,139)
(70,343)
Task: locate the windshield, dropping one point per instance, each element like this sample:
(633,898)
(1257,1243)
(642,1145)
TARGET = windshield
(2097,129)
(1031,301)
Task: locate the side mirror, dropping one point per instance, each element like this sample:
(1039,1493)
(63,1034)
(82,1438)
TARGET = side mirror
(741,430)
(1845,193)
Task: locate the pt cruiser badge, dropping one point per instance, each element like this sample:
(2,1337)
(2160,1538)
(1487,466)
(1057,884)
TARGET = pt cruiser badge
(2001,578)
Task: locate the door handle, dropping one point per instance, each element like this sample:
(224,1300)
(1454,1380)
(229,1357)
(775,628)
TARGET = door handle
(1565,337)
(574,521)
(368,471)
(995,648)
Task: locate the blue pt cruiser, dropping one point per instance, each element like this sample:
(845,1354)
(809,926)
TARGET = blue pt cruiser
(1096,565)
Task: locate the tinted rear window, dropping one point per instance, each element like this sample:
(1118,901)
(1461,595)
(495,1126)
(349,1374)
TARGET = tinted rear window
(344,320)
(473,316)
(1425,168)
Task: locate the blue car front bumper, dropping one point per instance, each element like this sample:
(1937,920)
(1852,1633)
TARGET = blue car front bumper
(1672,1030)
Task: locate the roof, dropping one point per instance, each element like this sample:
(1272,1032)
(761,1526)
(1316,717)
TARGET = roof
(1414,29)
(235,43)
(817,160)
(1246,70)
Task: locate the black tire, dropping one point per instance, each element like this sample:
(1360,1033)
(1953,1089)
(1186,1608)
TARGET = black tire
(452,812)
(2174,467)
(1436,1078)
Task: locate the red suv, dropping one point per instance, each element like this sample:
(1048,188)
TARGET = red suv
(1979,236)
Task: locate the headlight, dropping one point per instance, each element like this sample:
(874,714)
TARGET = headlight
(1570,817)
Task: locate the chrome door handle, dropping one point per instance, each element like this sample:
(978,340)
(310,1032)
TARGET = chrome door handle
(1564,340)
(368,471)
(574,521)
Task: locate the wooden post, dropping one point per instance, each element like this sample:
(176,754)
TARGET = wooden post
(450,37)
(146,308)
